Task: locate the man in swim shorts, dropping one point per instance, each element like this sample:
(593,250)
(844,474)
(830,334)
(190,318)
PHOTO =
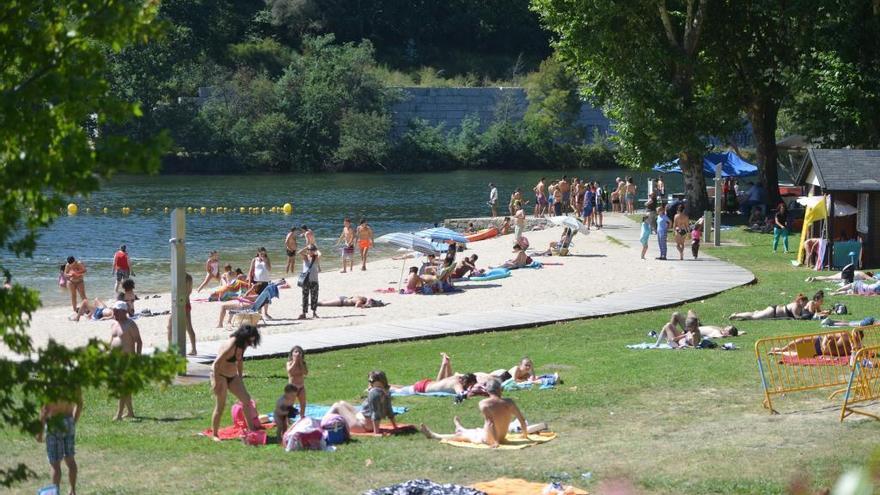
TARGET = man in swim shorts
(58,421)
(541,202)
(365,240)
(497,413)
(446,382)
(346,239)
(565,188)
(290,247)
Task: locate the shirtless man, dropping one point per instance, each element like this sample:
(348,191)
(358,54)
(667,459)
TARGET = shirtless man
(565,188)
(681,226)
(290,247)
(558,200)
(346,240)
(125,337)
(630,195)
(58,421)
(447,381)
(497,412)
(540,198)
(365,240)
(309,236)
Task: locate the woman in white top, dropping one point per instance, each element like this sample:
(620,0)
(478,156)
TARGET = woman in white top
(311,266)
(260,275)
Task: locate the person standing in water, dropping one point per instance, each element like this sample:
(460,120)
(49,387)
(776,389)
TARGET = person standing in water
(126,338)
(365,240)
(346,240)
(290,248)
(493,199)
(309,235)
(121,268)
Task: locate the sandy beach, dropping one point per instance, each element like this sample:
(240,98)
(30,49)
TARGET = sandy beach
(596,266)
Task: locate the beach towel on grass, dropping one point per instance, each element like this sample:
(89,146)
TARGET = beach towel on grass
(318,411)
(512,442)
(401,393)
(547,381)
(649,345)
(816,361)
(235,432)
(516,486)
(386,430)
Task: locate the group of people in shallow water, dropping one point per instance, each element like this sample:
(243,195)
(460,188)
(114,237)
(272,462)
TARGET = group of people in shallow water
(227,374)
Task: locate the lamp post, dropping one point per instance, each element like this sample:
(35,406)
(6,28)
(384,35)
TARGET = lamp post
(716,227)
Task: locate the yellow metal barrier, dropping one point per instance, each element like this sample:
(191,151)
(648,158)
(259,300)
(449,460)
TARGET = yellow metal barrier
(790,363)
(864,382)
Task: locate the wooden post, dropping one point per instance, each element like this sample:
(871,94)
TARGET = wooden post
(830,256)
(708,225)
(178,280)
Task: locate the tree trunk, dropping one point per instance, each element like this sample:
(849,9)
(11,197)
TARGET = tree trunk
(763,114)
(694,183)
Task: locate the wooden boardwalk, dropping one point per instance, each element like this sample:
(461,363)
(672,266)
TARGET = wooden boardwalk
(694,280)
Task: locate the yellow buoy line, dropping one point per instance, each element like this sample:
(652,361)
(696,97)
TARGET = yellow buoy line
(286,209)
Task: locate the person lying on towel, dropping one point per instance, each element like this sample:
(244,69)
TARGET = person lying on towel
(498,414)
(519,260)
(447,381)
(833,345)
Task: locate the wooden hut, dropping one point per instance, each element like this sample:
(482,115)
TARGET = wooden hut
(851,177)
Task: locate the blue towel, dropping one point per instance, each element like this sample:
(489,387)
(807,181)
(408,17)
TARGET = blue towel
(318,411)
(547,381)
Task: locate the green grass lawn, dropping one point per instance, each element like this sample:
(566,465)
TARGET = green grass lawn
(671,421)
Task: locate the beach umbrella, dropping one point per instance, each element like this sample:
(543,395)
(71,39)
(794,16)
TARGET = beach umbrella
(570,222)
(442,234)
(409,242)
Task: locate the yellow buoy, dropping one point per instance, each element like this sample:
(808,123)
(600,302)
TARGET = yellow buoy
(241,210)
(287,208)
(203,210)
(149,210)
(104,210)
(88,210)
(165,210)
(72,209)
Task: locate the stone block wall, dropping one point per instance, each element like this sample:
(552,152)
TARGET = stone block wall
(450,106)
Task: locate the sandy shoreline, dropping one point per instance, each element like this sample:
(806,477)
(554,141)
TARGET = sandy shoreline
(597,266)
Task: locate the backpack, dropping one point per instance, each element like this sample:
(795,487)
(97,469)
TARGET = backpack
(305,434)
(335,429)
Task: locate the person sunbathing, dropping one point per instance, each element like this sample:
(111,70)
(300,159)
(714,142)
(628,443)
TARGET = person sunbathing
(837,277)
(429,267)
(716,332)
(793,309)
(520,259)
(497,413)
(559,248)
(376,407)
(859,288)
(413,281)
(864,322)
(446,382)
(240,304)
(356,301)
(465,266)
(833,345)
(96,310)
(688,336)
(813,308)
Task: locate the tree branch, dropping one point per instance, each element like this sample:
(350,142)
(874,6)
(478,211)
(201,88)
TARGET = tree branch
(667,23)
(694,26)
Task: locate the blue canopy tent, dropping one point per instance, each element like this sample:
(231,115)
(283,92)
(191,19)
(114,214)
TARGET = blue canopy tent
(732,165)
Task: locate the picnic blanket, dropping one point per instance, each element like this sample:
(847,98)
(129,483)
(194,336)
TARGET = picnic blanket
(514,441)
(516,486)
(816,361)
(318,411)
(386,430)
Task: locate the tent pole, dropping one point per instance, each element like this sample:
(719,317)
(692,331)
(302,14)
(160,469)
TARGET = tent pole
(717,224)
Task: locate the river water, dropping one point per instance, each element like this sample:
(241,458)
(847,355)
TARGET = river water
(391,203)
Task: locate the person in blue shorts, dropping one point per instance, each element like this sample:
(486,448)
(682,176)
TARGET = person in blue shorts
(589,202)
(59,432)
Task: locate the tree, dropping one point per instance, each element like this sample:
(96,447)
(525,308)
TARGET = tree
(643,61)
(756,49)
(51,86)
(553,111)
(837,92)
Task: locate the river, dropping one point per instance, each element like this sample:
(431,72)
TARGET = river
(390,203)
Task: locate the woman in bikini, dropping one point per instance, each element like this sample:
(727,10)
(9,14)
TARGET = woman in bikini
(793,309)
(832,345)
(212,270)
(681,226)
(355,301)
(74,272)
(226,376)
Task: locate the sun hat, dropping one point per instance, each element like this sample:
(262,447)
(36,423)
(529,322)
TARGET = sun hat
(120,306)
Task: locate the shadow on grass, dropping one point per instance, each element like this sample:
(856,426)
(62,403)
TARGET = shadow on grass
(141,419)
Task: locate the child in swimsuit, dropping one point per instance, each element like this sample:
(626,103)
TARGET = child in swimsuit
(297,370)
(646,233)
(696,235)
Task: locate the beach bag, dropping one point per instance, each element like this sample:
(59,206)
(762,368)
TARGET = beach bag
(301,280)
(238,415)
(335,429)
(257,437)
(305,434)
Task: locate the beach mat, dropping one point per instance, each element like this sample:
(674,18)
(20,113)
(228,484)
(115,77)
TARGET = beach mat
(386,430)
(516,486)
(318,411)
(515,441)
(815,361)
